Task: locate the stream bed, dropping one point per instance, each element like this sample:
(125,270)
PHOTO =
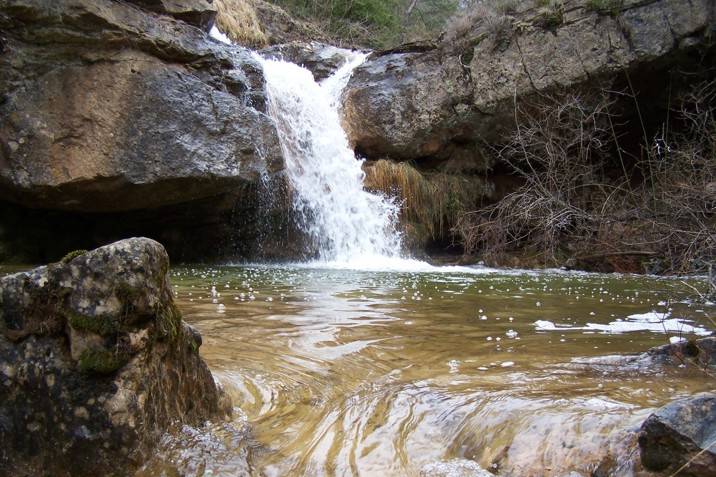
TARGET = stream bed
(342,372)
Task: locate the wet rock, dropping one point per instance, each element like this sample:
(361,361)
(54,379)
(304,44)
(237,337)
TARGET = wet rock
(96,363)
(701,352)
(454,468)
(672,357)
(407,105)
(319,58)
(681,434)
(200,13)
(412,104)
(110,107)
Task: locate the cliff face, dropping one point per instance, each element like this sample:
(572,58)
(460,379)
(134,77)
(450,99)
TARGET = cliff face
(435,101)
(96,363)
(110,107)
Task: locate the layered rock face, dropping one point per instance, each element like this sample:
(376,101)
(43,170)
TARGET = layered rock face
(439,100)
(116,106)
(96,363)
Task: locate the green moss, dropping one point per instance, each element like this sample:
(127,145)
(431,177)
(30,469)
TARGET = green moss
(127,295)
(101,361)
(194,346)
(102,325)
(72,255)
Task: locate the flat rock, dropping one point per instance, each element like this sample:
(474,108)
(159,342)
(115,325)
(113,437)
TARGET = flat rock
(200,13)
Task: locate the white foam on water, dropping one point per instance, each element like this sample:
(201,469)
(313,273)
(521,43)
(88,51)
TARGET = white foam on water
(653,321)
(380,263)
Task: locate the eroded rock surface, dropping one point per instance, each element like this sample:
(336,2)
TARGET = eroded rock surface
(197,12)
(96,363)
(434,100)
(280,27)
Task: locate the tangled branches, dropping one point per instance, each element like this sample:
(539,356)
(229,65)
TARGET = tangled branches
(583,196)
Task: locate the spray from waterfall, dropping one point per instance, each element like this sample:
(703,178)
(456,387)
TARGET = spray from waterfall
(346,223)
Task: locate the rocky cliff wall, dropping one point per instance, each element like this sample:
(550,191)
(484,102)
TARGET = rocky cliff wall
(115,107)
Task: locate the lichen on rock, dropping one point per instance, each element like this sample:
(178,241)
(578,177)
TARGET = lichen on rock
(96,363)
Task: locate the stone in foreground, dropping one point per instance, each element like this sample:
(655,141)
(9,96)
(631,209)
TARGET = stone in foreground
(96,363)
(681,434)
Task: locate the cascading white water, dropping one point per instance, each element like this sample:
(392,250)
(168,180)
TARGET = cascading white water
(348,224)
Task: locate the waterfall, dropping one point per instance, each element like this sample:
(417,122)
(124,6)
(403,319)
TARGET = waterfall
(346,223)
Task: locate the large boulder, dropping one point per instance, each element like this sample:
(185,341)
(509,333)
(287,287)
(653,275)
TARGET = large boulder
(96,363)
(109,107)
(128,110)
(431,101)
(681,437)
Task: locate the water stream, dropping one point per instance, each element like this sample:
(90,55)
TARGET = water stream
(368,373)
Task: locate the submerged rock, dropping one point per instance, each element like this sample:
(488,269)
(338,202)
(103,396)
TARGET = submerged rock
(454,468)
(96,363)
(681,436)
(700,352)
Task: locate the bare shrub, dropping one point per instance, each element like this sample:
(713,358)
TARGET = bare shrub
(558,149)
(679,192)
(577,200)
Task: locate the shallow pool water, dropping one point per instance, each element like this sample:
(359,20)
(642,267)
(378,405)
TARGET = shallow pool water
(339,372)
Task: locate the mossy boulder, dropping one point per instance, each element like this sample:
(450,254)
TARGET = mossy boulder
(96,363)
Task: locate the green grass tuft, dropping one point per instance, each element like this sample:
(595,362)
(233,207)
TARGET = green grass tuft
(169,321)
(72,255)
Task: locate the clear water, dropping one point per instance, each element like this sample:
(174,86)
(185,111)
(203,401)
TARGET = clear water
(346,224)
(339,372)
